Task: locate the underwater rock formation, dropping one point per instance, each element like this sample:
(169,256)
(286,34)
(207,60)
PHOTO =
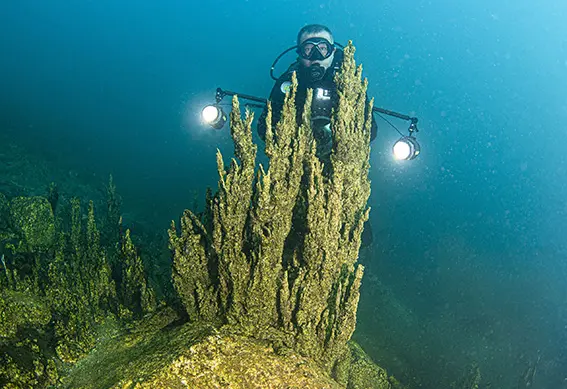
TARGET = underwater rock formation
(194,355)
(135,293)
(158,353)
(56,287)
(274,254)
(267,274)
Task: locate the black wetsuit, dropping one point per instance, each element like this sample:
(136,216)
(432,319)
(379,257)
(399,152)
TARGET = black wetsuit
(324,95)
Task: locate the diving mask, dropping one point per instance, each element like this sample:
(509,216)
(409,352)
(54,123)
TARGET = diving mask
(315,49)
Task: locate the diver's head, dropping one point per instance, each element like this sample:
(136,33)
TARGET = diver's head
(315,46)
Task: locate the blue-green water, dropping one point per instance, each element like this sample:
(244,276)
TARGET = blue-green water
(469,263)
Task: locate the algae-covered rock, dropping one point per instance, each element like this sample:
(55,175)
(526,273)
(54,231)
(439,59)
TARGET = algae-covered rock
(137,296)
(32,218)
(275,251)
(267,275)
(18,310)
(158,353)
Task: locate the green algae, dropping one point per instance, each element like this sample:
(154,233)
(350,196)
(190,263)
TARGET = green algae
(275,253)
(57,289)
(136,295)
(161,352)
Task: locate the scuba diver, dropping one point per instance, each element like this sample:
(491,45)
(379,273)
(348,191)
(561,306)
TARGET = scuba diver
(319,60)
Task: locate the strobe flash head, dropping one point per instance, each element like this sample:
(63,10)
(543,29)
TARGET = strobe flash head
(214,116)
(406,148)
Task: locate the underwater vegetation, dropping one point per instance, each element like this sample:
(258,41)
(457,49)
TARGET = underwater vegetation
(273,256)
(60,281)
(266,277)
(274,253)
